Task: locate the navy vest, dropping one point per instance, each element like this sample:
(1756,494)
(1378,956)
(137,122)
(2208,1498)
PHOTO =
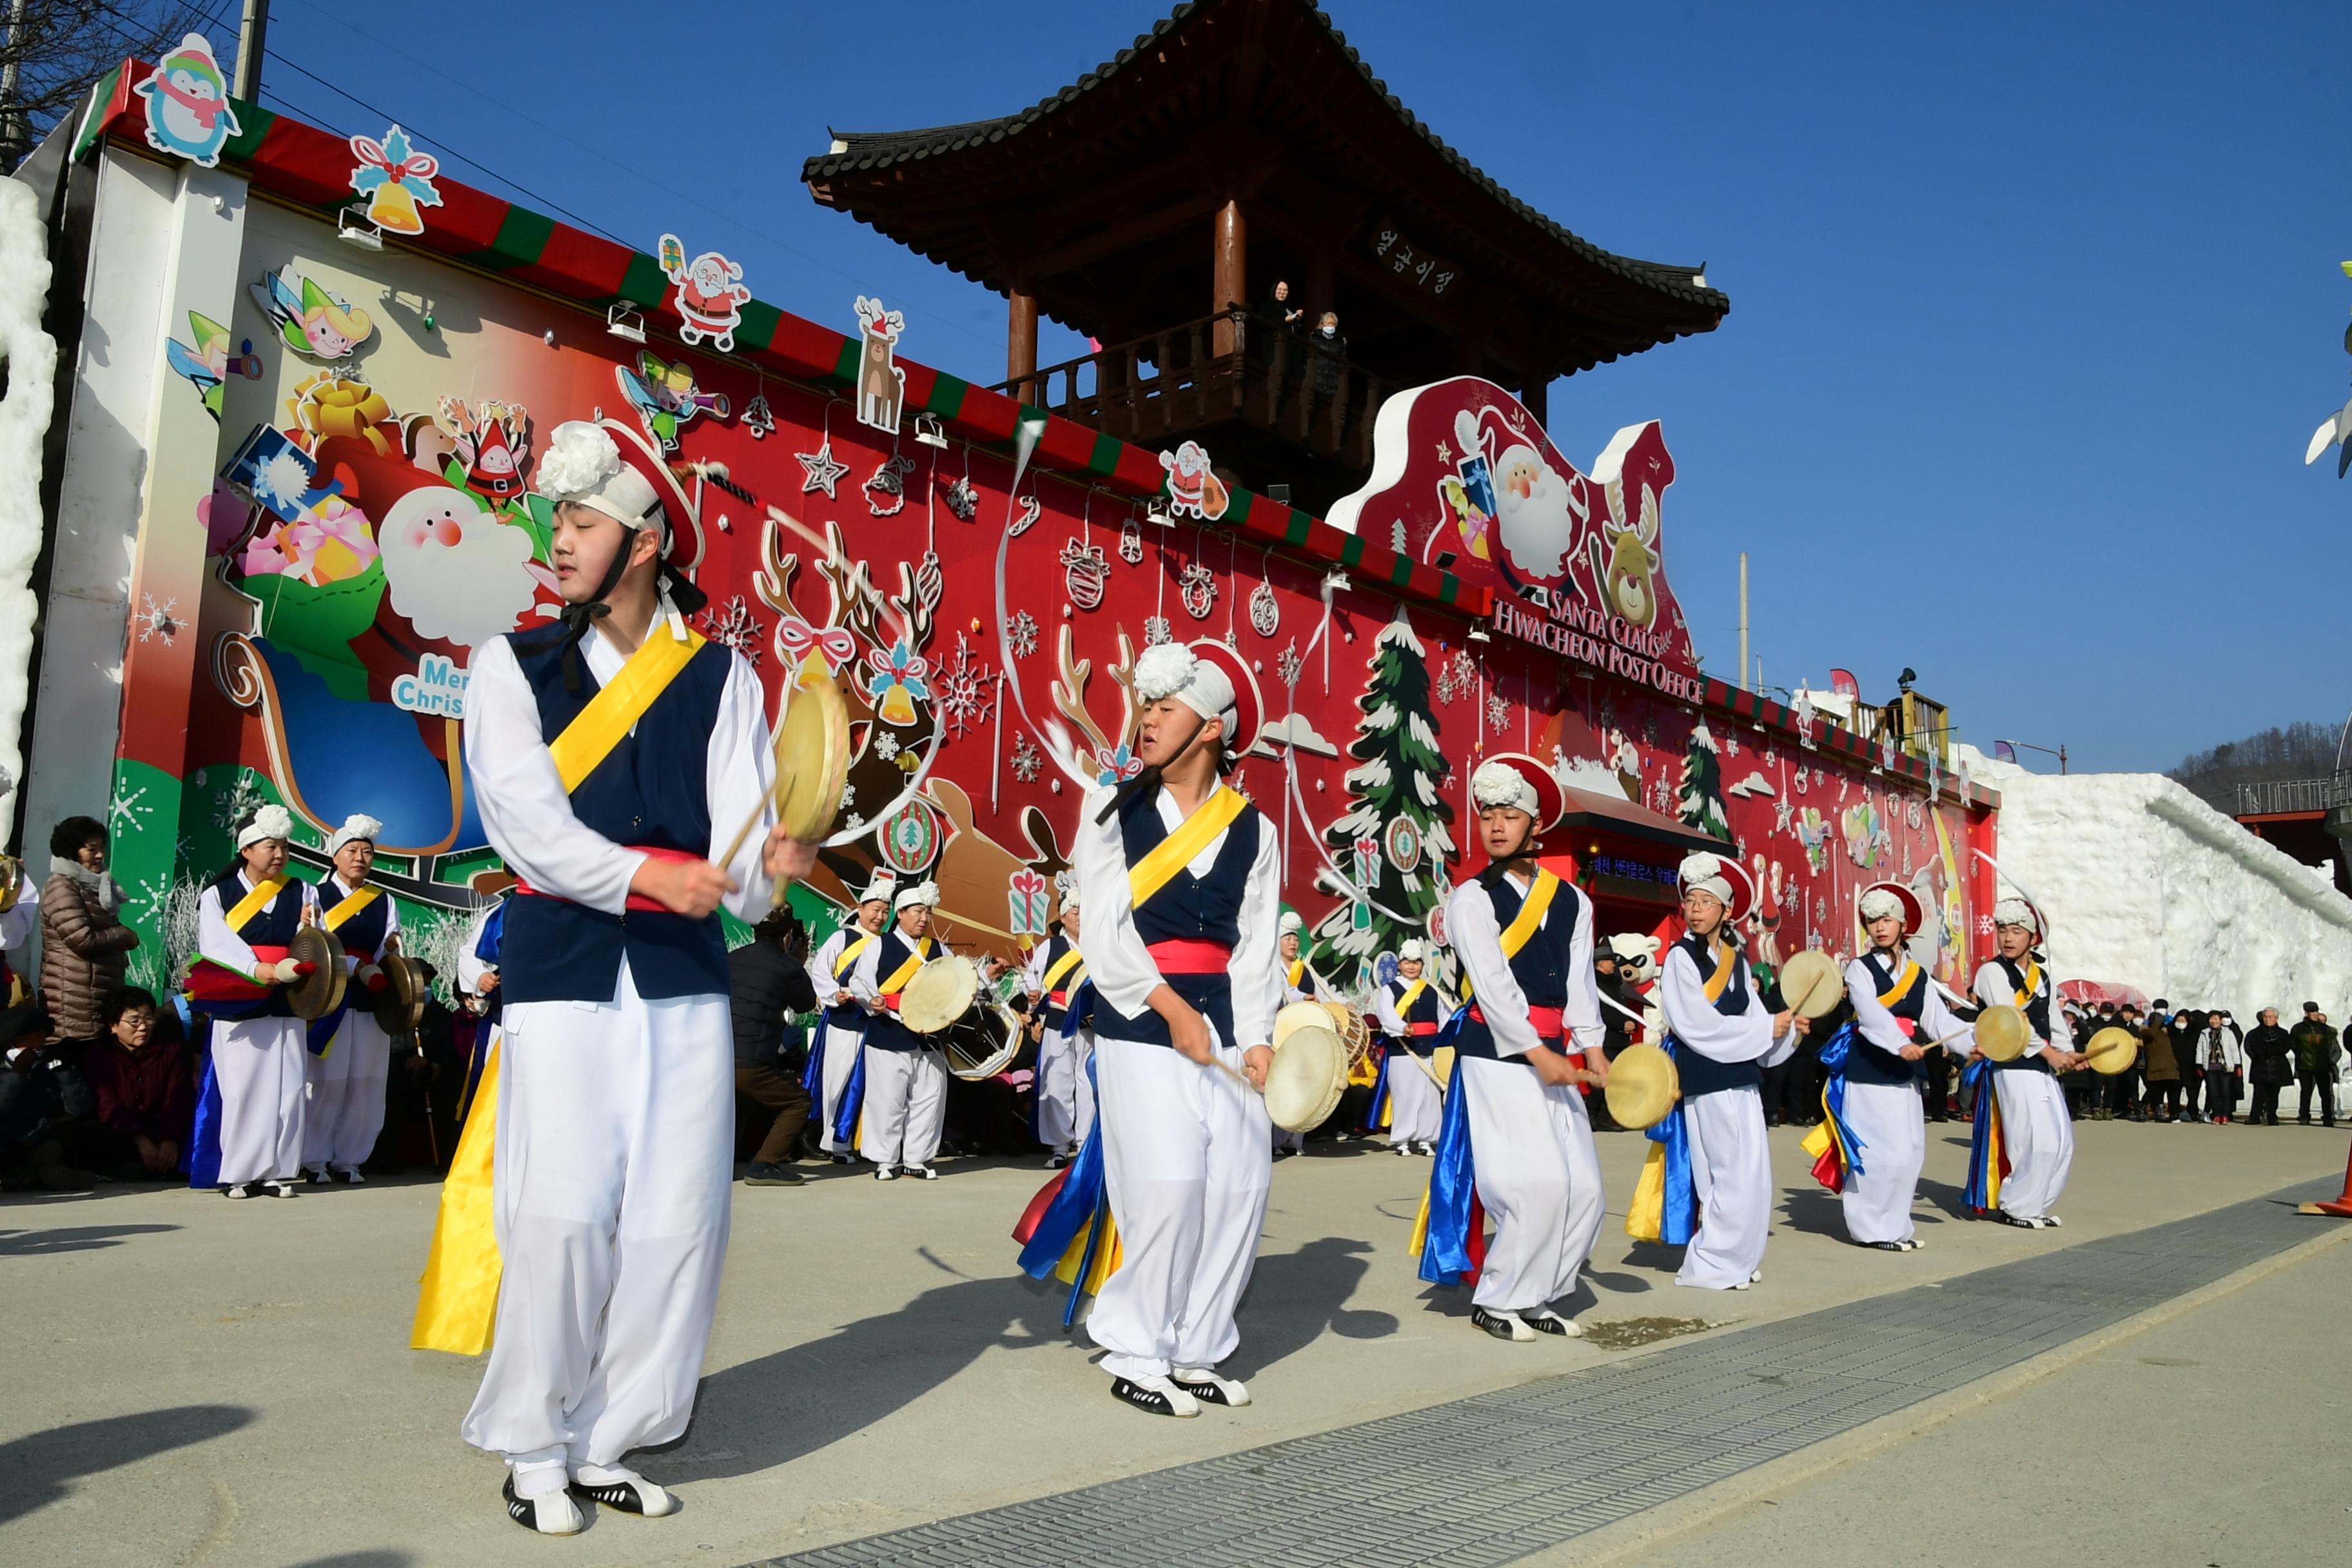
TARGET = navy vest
(651,791)
(1867,1062)
(1056,946)
(273,927)
(1540,967)
(883,1030)
(1700,1074)
(1428,1007)
(1186,907)
(849,1014)
(362,935)
(2037,1016)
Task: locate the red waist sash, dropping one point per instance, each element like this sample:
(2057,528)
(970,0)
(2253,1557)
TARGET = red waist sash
(1546,1020)
(1190,955)
(1424,1028)
(637,901)
(1057,998)
(211,981)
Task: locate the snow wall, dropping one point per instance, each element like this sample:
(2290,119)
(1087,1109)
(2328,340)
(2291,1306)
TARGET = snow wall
(2146,884)
(31,358)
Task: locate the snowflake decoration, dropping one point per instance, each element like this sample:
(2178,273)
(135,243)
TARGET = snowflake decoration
(1498,712)
(125,813)
(856,819)
(1457,675)
(886,745)
(1197,586)
(1026,760)
(1155,630)
(1287,664)
(848,795)
(237,802)
(154,620)
(963,499)
(1021,632)
(824,470)
(1730,742)
(967,690)
(734,627)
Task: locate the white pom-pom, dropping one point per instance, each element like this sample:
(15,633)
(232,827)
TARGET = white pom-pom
(579,458)
(1163,669)
(1879,903)
(1499,783)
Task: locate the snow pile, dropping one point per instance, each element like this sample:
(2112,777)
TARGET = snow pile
(31,358)
(2148,885)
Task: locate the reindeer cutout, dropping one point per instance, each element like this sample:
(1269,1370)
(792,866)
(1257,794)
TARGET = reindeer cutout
(881,385)
(1625,557)
(1113,759)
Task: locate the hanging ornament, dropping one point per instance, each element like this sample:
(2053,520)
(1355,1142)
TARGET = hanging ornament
(1085,572)
(930,581)
(963,499)
(885,492)
(1156,631)
(1131,542)
(908,837)
(824,469)
(1198,585)
(1265,616)
(759,418)
(896,680)
(1030,512)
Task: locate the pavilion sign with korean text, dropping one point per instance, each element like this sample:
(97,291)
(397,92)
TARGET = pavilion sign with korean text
(1408,262)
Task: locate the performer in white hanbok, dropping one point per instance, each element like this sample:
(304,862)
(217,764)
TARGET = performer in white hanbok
(1409,1009)
(246,919)
(1525,941)
(841,1027)
(610,756)
(1181,880)
(1723,1037)
(343,1106)
(2036,1132)
(1066,1094)
(1899,1017)
(906,1103)
(1299,985)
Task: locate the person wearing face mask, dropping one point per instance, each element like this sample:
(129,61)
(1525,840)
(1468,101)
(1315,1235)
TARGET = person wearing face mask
(1326,356)
(246,922)
(2035,1133)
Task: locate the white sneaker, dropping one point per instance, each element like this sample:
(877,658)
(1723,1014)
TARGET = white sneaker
(618,1487)
(884,1174)
(1203,1384)
(2053,1221)
(550,1513)
(240,1190)
(920,1172)
(1156,1394)
(1502,1325)
(279,1189)
(1757,1277)
(1544,1320)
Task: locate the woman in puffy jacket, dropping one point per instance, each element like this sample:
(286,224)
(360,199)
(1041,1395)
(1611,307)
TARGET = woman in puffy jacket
(83,940)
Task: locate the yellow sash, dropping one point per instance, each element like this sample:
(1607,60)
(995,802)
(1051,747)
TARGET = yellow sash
(905,971)
(1061,966)
(457,1300)
(1523,925)
(360,898)
(615,708)
(2032,983)
(849,952)
(254,903)
(1411,994)
(1298,968)
(1901,986)
(1171,854)
(1725,961)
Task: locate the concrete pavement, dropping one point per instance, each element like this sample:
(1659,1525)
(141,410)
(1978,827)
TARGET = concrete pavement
(194,1381)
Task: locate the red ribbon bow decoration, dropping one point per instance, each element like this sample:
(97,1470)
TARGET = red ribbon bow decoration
(414,166)
(795,636)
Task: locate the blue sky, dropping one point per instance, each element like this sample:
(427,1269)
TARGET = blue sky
(2033,306)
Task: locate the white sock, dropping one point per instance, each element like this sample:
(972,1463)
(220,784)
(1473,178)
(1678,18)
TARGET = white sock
(539,1479)
(605,1475)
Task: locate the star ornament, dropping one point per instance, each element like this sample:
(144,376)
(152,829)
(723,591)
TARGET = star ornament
(824,469)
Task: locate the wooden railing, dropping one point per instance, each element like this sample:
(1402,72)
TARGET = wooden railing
(1185,378)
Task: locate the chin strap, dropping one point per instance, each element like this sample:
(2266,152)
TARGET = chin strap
(675,591)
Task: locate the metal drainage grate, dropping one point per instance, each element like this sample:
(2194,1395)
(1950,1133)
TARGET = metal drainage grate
(1500,1476)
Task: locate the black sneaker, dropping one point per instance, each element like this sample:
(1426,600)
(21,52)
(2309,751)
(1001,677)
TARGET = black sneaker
(554,1514)
(770,1177)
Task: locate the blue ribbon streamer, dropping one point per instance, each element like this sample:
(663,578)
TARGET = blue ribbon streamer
(853,1098)
(1083,1200)
(1389,1055)
(204,1156)
(812,1070)
(1453,1187)
(1835,1051)
(1678,1216)
(1978,1194)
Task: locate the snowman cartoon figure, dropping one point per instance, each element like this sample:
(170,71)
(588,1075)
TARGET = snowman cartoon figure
(188,111)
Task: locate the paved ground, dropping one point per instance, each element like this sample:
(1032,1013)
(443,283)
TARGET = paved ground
(191,1380)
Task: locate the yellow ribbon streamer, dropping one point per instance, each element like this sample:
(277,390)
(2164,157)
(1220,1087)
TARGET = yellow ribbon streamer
(457,1298)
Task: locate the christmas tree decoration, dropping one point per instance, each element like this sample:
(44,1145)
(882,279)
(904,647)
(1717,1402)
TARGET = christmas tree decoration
(711,294)
(397,179)
(1700,796)
(1393,840)
(759,418)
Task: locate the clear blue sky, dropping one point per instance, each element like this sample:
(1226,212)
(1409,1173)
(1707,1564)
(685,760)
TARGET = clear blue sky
(2033,306)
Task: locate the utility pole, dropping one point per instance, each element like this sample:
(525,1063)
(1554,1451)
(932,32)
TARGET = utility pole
(250,35)
(11,122)
(1743,618)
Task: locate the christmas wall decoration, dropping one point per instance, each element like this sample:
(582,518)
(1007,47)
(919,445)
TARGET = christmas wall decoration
(881,385)
(666,397)
(709,297)
(397,181)
(1698,798)
(309,320)
(185,101)
(1193,490)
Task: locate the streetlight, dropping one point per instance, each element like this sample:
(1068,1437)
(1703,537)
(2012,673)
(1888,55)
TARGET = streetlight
(2006,750)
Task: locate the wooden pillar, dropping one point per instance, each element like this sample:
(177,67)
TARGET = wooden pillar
(1535,398)
(1229,275)
(1020,346)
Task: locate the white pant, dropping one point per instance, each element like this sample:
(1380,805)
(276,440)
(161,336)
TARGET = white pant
(2040,1138)
(1065,1100)
(1188,1161)
(1416,1110)
(906,1106)
(610,1182)
(841,1048)
(1531,1144)
(1893,1128)
(1731,1170)
(258,1063)
(343,1099)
